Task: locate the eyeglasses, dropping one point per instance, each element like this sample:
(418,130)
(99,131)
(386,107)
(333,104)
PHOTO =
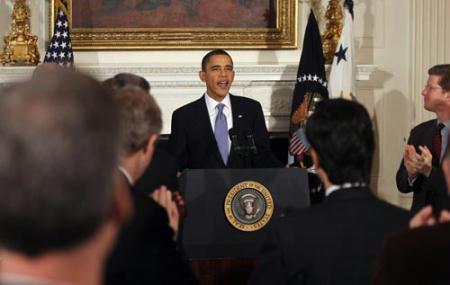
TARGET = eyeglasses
(430,88)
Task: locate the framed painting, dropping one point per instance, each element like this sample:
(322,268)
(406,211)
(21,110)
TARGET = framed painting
(182,24)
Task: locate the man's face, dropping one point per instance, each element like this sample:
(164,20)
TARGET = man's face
(218,76)
(434,97)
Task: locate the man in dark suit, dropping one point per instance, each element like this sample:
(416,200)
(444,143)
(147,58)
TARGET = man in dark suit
(220,130)
(163,168)
(420,255)
(59,214)
(334,242)
(146,252)
(420,170)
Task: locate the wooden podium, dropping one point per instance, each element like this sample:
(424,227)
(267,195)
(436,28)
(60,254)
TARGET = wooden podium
(218,252)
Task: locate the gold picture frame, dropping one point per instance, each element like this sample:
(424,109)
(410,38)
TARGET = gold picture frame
(283,34)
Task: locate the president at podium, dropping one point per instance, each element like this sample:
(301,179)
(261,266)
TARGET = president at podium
(220,130)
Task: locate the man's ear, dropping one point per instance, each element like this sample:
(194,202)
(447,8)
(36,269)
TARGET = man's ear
(150,146)
(319,170)
(202,75)
(123,210)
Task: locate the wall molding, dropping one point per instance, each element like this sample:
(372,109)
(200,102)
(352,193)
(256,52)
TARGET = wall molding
(173,86)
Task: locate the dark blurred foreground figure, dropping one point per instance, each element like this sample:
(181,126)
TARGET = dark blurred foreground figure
(146,252)
(420,255)
(335,242)
(420,170)
(59,212)
(162,169)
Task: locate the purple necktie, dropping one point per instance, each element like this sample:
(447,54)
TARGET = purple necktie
(221,132)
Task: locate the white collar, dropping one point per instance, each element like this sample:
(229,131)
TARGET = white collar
(14,278)
(346,185)
(446,123)
(126,174)
(211,103)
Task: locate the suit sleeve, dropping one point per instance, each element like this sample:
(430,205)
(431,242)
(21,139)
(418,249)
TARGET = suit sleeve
(265,157)
(170,262)
(402,174)
(178,140)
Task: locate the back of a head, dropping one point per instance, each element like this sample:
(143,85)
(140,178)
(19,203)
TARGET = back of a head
(58,149)
(140,117)
(124,80)
(340,131)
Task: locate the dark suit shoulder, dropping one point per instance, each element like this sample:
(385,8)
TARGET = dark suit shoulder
(241,100)
(344,205)
(189,107)
(423,127)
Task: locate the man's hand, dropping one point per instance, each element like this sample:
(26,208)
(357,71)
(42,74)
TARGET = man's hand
(425,160)
(163,197)
(417,163)
(444,216)
(410,161)
(423,218)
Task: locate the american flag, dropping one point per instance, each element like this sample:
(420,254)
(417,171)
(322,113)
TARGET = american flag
(310,79)
(298,143)
(59,49)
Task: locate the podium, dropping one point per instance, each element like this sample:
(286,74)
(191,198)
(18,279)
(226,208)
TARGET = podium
(219,252)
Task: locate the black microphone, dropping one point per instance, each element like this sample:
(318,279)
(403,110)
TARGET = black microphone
(251,142)
(237,147)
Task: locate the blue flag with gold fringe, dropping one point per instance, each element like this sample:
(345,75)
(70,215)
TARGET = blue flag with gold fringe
(310,86)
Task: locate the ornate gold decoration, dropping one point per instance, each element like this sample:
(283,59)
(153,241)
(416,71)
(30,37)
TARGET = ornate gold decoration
(283,36)
(305,109)
(248,206)
(20,45)
(299,116)
(330,38)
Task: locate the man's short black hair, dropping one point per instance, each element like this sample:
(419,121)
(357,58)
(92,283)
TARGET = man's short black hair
(58,149)
(207,56)
(340,131)
(442,70)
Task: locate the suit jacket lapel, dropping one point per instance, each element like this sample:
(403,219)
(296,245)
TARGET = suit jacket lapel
(236,113)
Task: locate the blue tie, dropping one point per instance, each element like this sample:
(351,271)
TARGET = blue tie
(221,132)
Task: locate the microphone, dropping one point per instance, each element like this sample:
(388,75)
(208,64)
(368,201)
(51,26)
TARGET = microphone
(251,142)
(235,141)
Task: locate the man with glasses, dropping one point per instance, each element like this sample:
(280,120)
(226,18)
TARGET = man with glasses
(420,170)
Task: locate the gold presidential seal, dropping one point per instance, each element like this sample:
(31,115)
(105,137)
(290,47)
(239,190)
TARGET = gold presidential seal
(248,206)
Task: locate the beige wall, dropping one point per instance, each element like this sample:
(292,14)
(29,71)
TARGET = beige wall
(402,38)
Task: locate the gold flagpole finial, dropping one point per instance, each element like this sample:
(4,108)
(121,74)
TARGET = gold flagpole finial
(330,38)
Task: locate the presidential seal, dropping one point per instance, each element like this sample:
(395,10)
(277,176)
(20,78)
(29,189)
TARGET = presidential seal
(248,206)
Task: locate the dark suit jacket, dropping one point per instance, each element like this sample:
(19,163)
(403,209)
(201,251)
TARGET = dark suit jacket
(145,252)
(192,139)
(335,242)
(162,170)
(427,190)
(417,256)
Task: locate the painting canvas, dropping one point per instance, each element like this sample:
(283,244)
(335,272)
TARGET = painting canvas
(183,24)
